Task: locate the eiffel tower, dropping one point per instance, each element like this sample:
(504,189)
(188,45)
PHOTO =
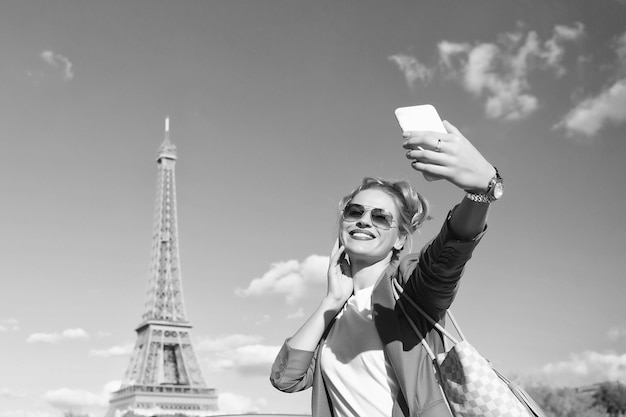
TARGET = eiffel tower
(163,377)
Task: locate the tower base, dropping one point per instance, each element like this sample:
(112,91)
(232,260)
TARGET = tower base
(162,400)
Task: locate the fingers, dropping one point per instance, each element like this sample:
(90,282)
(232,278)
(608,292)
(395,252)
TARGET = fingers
(431,172)
(336,254)
(339,264)
(451,128)
(424,140)
(428,156)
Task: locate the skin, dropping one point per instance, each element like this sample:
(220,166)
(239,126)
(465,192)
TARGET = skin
(458,163)
(368,247)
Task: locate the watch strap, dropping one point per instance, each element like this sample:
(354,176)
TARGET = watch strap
(488,196)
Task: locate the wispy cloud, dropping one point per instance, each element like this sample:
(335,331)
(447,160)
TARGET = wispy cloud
(59,62)
(56,337)
(498,72)
(113,351)
(7,325)
(240,353)
(412,69)
(290,279)
(586,368)
(606,107)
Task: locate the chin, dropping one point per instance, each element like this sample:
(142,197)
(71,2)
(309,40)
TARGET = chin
(359,251)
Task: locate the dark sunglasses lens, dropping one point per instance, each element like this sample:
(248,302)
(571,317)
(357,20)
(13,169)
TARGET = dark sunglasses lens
(353,212)
(382,218)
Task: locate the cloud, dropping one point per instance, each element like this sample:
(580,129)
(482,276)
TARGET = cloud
(82,401)
(606,107)
(297,314)
(75,334)
(240,353)
(587,368)
(7,393)
(7,325)
(553,48)
(126,349)
(251,359)
(412,69)
(616,334)
(110,387)
(290,278)
(75,399)
(230,403)
(497,72)
(592,114)
(60,62)
(57,337)
(226,342)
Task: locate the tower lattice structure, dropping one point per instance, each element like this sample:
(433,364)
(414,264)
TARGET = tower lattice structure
(163,376)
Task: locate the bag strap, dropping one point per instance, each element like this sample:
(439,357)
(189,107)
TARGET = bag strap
(398,291)
(416,330)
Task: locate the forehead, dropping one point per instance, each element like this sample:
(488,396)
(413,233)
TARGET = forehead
(376,198)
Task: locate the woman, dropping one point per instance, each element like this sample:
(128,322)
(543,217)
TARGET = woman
(357,350)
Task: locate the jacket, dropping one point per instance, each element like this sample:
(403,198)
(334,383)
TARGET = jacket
(430,278)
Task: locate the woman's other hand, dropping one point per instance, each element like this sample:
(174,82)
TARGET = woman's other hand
(340,283)
(449,156)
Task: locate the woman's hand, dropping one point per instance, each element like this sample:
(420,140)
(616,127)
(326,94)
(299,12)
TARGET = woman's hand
(449,156)
(340,283)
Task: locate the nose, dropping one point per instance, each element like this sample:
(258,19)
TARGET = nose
(365,220)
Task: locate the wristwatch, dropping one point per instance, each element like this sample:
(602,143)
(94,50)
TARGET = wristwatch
(494,192)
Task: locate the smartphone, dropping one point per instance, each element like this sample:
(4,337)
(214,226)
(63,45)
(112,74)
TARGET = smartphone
(420,118)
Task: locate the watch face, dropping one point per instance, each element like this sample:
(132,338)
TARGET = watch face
(498,190)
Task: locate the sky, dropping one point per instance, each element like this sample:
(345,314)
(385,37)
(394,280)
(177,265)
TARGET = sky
(278,109)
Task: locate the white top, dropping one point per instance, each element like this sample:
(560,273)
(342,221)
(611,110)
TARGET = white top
(359,379)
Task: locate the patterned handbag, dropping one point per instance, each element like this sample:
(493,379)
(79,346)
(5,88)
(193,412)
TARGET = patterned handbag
(472,387)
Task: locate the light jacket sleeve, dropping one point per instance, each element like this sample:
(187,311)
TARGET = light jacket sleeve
(293,369)
(431,277)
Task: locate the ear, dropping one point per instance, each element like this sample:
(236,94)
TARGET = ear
(400,241)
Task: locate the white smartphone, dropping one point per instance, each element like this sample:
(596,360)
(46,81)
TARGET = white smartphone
(419,118)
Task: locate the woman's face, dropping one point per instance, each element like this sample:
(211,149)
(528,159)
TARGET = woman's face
(363,240)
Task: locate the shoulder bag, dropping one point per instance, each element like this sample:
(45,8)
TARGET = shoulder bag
(472,387)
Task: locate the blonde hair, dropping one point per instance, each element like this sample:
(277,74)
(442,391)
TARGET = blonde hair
(412,207)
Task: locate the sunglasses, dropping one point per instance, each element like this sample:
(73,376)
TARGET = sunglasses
(381,218)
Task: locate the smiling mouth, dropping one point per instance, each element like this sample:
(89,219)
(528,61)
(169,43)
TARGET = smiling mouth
(361,235)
